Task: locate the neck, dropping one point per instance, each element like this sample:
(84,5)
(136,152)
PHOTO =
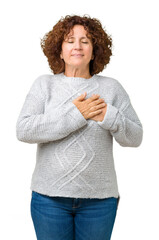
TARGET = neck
(77,73)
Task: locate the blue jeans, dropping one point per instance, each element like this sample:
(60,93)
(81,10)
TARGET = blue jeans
(64,218)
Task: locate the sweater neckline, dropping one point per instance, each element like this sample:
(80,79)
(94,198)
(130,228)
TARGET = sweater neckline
(77,79)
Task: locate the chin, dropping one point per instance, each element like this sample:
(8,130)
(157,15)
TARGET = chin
(77,64)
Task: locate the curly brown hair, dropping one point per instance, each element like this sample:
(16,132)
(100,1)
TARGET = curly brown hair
(102,42)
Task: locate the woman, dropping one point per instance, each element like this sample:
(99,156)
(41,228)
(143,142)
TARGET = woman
(73,116)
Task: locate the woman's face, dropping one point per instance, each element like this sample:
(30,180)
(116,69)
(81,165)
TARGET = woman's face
(77,48)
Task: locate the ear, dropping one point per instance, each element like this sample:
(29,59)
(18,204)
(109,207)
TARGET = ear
(61,56)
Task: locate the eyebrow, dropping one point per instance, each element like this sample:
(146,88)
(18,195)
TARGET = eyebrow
(81,37)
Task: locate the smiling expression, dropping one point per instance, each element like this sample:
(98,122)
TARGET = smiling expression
(77,48)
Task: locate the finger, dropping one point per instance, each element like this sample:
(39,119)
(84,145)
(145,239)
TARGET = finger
(98,106)
(97,102)
(82,96)
(92,114)
(93,97)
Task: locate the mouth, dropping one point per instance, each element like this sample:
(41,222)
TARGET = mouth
(77,55)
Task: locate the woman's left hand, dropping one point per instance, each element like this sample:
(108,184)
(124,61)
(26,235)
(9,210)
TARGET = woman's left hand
(100,116)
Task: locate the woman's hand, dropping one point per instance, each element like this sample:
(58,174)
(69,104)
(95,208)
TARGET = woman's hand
(93,107)
(100,116)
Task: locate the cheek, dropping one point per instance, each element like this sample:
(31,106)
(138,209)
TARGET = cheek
(89,51)
(67,51)
(65,48)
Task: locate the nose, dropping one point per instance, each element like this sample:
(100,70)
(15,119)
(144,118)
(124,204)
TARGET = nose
(77,45)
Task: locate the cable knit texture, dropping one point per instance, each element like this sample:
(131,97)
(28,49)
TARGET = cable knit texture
(74,156)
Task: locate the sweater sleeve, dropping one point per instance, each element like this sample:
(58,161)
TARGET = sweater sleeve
(123,122)
(36,126)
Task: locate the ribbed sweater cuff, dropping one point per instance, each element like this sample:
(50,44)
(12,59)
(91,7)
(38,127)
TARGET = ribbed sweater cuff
(110,117)
(76,116)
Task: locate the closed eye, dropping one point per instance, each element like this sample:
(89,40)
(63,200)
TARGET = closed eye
(82,42)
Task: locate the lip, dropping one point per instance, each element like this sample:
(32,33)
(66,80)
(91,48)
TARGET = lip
(77,55)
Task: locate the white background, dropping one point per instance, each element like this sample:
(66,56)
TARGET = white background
(134,29)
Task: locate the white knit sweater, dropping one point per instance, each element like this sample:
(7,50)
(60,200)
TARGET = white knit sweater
(75,156)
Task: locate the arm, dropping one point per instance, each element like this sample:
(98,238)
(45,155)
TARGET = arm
(123,122)
(36,126)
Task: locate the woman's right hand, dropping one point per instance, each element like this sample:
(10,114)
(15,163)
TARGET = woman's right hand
(89,107)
